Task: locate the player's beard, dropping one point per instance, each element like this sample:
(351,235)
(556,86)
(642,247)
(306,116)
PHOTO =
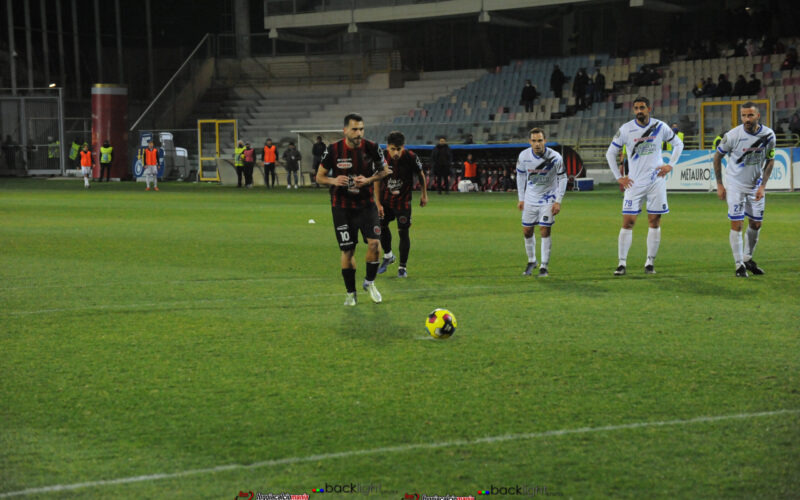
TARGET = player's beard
(750,127)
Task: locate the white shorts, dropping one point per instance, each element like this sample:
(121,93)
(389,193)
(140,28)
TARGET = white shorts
(86,171)
(537,214)
(655,193)
(151,170)
(743,203)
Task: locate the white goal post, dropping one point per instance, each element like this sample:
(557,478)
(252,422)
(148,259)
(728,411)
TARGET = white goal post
(305,140)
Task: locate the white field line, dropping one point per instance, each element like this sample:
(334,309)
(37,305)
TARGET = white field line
(403,448)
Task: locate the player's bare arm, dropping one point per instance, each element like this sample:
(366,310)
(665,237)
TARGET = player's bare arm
(718,174)
(664,169)
(322,178)
(521,205)
(376,192)
(423,199)
(764,178)
(556,208)
(625,182)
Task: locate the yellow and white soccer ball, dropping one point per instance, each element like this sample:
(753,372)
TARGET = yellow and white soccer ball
(441,324)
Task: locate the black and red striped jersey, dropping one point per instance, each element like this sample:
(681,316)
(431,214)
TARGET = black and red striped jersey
(397,187)
(366,160)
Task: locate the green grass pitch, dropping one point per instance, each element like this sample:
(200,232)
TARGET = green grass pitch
(173,334)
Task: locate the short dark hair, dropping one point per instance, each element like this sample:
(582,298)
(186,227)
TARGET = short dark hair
(537,130)
(352,116)
(751,104)
(395,138)
(319,137)
(291,144)
(643,99)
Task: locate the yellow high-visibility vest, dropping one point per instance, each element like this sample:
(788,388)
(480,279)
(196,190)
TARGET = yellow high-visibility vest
(239,161)
(669,144)
(105,154)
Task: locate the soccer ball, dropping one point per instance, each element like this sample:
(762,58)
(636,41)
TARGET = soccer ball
(441,324)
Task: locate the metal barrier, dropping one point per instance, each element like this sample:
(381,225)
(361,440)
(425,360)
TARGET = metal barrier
(33,122)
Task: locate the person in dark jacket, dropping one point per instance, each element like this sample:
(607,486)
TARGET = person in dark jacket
(249,160)
(291,158)
(740,87)
(317,150)
(599,86)
(557,80)
(754,85)
(442,158)
(529,94)
(724,87)
(579,88)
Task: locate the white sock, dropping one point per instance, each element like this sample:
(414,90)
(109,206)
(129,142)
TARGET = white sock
(85,181)
(155,181)
(653,240)
(750,242)
(388,255)
(147,180)
(624,244)
(530,248)
(546,243)
(736,246)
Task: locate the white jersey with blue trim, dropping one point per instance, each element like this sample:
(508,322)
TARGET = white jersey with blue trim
(541,180)
(643,147)
(747,154)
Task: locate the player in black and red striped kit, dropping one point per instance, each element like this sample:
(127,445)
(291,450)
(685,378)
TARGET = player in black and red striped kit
(395,194)
(355,164)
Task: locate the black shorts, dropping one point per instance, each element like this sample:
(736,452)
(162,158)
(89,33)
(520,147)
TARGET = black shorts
(403,217)
(349,221)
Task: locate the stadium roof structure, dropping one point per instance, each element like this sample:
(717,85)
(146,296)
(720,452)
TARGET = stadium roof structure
(482,9)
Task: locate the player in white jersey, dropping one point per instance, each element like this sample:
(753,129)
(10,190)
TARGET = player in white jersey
(642,139)
(541,184)
(751,151)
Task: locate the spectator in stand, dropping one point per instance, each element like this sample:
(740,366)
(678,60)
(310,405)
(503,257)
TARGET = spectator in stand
(579,88)
(442,158)
(794,123)
(750,48)
(469,139)
(557,80)
(471,171)
(740,87)
(248,161)
(790,61)
(698,88)
(317,150)
(599,86)
(709,88)
(291,158)
(724,87)
(739,50)
(529,94)
(754,85)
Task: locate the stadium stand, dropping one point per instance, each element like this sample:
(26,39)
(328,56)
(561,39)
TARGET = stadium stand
(486,105)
